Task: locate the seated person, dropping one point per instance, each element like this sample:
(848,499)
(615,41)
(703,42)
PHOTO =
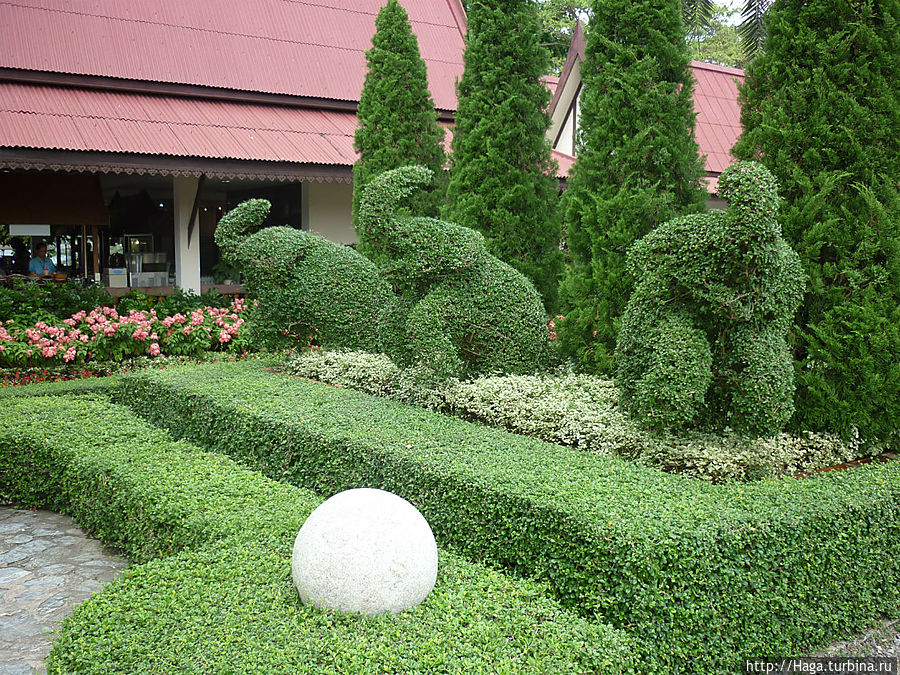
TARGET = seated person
(40,264)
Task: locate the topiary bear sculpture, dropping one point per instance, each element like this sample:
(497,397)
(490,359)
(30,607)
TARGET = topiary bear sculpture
(703,337)
(460,310)
(305,284)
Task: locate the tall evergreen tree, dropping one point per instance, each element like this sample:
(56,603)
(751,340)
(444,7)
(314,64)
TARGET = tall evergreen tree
(397,121)
(502,175)
(637,162)
(821,108)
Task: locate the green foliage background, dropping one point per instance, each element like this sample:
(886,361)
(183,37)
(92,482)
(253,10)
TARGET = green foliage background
(502,176)
(821,108)
(717,40)
(397,120)
(637,163)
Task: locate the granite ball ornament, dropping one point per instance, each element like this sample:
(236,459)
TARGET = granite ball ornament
(366,551)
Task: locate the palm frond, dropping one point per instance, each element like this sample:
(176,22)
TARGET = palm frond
(752,29)
(696,14)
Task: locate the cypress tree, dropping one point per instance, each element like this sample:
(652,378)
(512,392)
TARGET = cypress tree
(821,109)
(637,163)
(397,121)
(502,176)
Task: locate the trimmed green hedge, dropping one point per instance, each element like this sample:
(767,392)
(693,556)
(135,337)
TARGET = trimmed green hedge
(223,600)
(704,573)
(231,608)
(130,484)
(81,386)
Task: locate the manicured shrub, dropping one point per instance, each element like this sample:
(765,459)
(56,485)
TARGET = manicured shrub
(184,613)
(27,302)
(702,573)
(637,167)
(460,310)
(703,338)
(223,599)
(86,385)
(502,180)
(397,120)
(15,379)
(582,411)
(129,483)
(821,109)
(308,288)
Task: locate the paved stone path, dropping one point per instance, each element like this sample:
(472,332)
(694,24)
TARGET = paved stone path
(48,566)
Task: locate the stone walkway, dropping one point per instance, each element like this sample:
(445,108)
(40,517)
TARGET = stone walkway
(48,566)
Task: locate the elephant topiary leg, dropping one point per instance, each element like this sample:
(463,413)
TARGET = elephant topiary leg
(665,371)
(429,340)
(762,400)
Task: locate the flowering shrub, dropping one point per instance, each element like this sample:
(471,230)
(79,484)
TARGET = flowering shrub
(551,325)
(105,335)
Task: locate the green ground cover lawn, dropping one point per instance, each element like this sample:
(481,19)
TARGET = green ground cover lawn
(214,592)
(703,573)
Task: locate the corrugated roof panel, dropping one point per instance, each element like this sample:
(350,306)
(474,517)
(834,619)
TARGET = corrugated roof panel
(25,130)
(47,117)
(96,132)
(718,112)
(312,48)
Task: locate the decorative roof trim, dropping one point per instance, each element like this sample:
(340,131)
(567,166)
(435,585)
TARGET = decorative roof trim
(575,54)
(155,165)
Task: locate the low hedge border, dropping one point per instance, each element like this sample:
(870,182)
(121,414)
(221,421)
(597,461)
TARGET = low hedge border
(79,387)
(216,594)
(704,573)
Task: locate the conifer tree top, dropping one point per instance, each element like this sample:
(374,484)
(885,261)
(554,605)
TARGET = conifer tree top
(397,120)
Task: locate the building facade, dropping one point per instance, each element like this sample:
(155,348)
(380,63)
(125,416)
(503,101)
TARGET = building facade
(127,129)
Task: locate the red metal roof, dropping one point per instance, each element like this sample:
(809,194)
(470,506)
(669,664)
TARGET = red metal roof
(718,112)
(311,48)
(56,118)
(564,163)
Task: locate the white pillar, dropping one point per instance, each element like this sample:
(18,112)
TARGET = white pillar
(304,206)
(187,258)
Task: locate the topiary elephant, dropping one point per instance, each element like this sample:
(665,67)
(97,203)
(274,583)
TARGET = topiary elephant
(305,284)
(703,337)
(459,309)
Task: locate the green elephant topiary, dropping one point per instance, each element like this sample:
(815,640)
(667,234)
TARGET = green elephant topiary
(459,310)
(306,285)
(703,338)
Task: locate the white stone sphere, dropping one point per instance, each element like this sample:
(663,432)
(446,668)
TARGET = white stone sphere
(366,551)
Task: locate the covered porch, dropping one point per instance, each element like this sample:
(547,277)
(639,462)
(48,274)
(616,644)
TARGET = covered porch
(153,231)
(138,181)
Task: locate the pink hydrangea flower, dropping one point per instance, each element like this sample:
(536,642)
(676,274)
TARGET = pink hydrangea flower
(154,349)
